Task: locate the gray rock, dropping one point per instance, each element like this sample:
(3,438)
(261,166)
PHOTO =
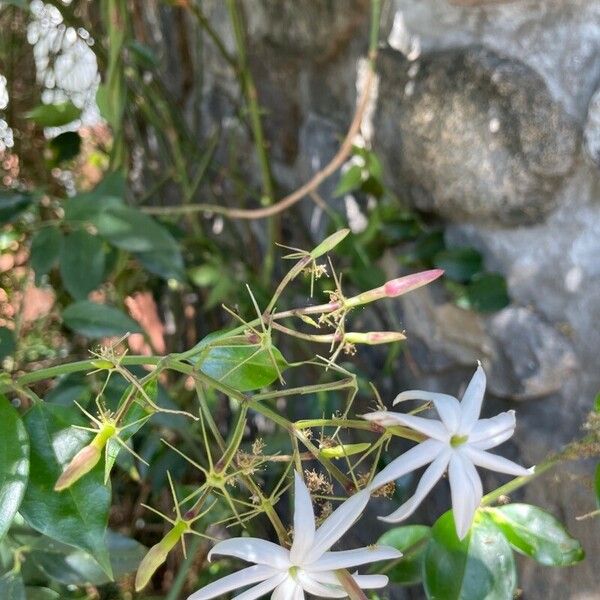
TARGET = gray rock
(473,136)
(531,358)
(591,133)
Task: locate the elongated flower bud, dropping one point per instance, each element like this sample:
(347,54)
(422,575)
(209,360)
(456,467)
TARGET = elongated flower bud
(85,460)
(373,338)
(395,287)
(157,555)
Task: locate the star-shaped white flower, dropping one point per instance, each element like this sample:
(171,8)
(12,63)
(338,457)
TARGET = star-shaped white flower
(458,442)
(307,566)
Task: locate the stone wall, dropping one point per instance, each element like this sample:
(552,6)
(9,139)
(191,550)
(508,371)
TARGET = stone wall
(487,120)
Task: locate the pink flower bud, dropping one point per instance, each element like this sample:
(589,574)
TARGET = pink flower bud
(83,462)
(395,287)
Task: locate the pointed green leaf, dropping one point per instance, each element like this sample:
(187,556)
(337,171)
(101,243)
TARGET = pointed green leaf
(45,248)
(536,533)
(14,463)
(242,367)
(480,567)
(98,320)
(54,115)
(77,516)
(349,181)
(412,541)
(82,263)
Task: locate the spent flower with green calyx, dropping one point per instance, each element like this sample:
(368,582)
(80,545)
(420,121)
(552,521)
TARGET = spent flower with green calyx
(458,442)
(309,565)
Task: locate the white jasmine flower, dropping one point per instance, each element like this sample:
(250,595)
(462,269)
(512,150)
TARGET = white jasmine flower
(307,566)
(458,442)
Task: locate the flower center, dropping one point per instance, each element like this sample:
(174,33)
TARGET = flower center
(458,440)
(293,571)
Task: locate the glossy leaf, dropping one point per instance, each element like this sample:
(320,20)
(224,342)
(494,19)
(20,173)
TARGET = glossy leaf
(54,115)
(75,567)
(167,263)
(82,263)
(536,533)
(459,264)
(480,567)
(132,230)
(14,463)
(12,586)
(487,292)
(12,203)
(98,320)
(7,342)
(77,516)
(45,249)
(242,367)
(412,541)
(65,146)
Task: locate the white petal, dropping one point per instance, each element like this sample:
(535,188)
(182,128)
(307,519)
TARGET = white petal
(370,582)
(448,407)
(234,581)
(489,428)
(487,460)
(429,427)
(352,558)
(466,492)
(258,591)
(414,458)
(337,523)
(304,521)
(470,405)
(432,475)
(253,550)
(312,585)
(288,590)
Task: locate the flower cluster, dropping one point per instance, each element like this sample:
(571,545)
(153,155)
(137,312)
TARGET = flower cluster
(457,442)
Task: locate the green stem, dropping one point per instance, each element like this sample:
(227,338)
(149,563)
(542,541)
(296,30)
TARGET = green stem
(251,95)
(187,564)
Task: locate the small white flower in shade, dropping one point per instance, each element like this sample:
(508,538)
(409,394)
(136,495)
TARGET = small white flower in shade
(458,442)
(308,566)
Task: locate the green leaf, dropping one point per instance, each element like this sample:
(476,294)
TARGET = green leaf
(343,450)
(76,567)
(7,343)
(130,229)
(77,516)
(69,389)
(12,586)
(14,464)
(54,115)
(65,146)
(98,320)
(426,246)
(45,249)
(480,567)
(412,541)
(459,264)
(349,181)
(487,292)
(242,367)
(536,533)
(167,264)
(12,204)
(82,263)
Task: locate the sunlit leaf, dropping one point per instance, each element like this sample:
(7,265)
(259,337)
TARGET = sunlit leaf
(480,567)
(536,533)
(242,367)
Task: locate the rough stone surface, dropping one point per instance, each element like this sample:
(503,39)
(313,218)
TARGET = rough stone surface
(472,135)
